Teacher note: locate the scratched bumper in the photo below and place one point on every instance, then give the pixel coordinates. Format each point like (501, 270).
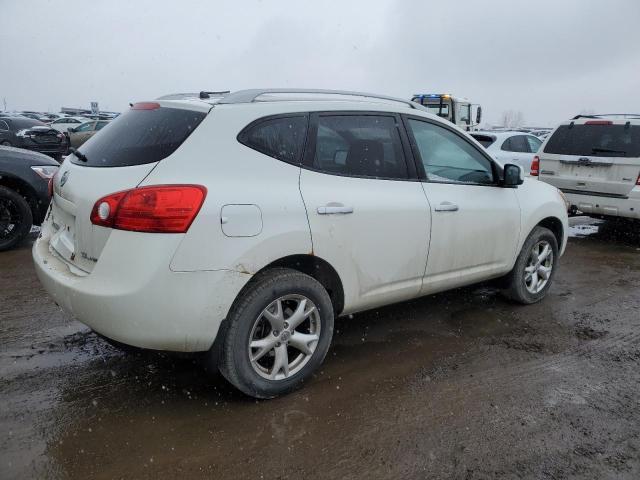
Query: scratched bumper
(134, 298)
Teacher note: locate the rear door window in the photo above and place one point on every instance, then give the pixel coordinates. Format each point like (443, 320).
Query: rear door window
(140, 136)
(595, 140)
(360, 146)
(281, 137)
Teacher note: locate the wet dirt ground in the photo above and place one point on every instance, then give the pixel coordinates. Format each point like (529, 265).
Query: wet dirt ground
(458, 385)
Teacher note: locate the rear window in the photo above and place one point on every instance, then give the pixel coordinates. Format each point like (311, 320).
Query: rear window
(140, 136)
(484, 140)
(595, 140)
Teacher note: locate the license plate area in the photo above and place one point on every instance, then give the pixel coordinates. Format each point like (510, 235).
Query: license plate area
(63, 239)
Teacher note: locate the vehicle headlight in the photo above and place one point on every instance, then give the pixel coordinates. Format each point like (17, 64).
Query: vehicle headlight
(564, 198)
(45, 171)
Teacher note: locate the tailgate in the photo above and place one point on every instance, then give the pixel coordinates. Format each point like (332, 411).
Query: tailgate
(594, 157)
(117, 158)
(613, 177)
(76, 189)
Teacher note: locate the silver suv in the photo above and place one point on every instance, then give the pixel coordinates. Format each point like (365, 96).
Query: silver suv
(595, 161)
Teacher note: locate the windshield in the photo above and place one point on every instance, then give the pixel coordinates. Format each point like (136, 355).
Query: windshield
(595, 140)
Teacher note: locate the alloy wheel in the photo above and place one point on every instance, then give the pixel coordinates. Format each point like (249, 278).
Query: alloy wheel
(538, 269)
(284, 337)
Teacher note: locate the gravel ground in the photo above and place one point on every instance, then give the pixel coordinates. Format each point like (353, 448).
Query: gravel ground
(457, 385)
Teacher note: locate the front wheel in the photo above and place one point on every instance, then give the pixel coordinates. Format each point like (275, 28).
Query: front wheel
(535, 267)
(279, 333)
(15, 218)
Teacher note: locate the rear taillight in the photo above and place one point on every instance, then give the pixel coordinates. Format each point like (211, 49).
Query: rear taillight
(154, 209)
(638, 180)
(535, 167)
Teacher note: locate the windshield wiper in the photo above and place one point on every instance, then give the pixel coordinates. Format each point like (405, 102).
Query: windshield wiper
(606, 150)
(79, 154)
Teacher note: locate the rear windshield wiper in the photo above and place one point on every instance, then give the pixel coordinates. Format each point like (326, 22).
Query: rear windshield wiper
(80, 155)
(606, 150)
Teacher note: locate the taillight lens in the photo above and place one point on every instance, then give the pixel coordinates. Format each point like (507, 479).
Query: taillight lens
(535, 167)
(638, 180)
(153, 209)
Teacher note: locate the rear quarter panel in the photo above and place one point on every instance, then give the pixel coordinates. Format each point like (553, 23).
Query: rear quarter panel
(235, 175)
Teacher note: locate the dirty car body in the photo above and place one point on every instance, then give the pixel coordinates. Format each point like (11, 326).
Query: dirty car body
(332, 190)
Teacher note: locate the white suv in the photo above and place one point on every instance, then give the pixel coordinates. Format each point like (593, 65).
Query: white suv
(242, 224)
(595, 161)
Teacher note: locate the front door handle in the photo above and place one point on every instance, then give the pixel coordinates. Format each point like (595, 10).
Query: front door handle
(447, 207)
(334, 209)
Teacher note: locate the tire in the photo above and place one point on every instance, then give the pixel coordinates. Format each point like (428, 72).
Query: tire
(6, 143)
(16, 218)
(254, 318)
(524, 281)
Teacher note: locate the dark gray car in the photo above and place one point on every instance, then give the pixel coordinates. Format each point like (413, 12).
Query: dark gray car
(22, 132)
(24, 192)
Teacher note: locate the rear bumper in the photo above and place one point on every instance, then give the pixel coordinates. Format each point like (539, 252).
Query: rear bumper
(607, 206)
(133, 297)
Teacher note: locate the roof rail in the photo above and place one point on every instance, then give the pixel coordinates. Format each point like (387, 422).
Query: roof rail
(250, 96)
(600, 115)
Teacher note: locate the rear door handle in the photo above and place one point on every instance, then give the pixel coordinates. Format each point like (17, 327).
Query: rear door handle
(334, 209)
(447, 207)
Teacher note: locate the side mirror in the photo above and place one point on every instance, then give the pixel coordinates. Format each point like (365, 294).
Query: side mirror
(512, 176)
(478, 115)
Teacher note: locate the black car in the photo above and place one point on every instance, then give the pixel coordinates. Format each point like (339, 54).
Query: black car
(32, 134)
(24, 192)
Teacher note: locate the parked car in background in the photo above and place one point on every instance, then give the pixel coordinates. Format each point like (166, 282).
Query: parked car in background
(32, 134)
(62, 124)
(36, 116)
(83, 132)
(157, 237)
(24, 193)
(510, 147)
(595, 161)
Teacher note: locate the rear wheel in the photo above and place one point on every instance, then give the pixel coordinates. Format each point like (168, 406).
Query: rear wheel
(15, 218)
(279, 333)
(535, 267)
(6, 143)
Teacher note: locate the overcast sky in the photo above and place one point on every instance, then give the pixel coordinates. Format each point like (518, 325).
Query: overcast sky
(549, 59)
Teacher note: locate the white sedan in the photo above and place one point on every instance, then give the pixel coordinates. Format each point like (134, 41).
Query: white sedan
(510, 147)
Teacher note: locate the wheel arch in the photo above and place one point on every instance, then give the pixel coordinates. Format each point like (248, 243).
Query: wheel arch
(317, 268)
(555, 225)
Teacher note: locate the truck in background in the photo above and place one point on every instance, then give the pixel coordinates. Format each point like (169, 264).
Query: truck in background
(457, 110)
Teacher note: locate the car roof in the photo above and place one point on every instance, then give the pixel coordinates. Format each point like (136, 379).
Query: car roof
(22, 155)
(281, 95)
(615, 119)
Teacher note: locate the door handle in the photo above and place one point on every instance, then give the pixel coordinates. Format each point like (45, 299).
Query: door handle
(334, 209)
(447, 207)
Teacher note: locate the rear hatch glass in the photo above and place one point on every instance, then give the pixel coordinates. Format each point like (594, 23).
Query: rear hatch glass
(596, 140)
(141, 135)
(597, 158)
